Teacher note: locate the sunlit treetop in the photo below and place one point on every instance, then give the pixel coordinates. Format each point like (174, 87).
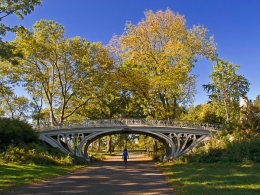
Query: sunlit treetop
(20, 8)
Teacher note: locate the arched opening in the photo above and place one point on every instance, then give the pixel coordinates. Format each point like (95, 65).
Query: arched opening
(146, 142)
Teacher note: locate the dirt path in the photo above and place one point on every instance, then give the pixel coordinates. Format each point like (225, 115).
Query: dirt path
(108, 177)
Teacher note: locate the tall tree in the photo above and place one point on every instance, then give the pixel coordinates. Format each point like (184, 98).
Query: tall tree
(225, 89)
(156, 56)
(110, 100)
(65, 69)
(20, 8)
(14, 106)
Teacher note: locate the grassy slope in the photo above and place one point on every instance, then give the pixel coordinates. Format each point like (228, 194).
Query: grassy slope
(13, 176)
(213, 178)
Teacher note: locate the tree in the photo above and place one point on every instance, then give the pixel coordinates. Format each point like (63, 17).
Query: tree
(135, 108)
(225, 88)
(149, 144)
(118, 141)
(65, 70)
(154, 59)
(15, 106)
(250, 118)
(110, 99)
(202, 113)
(185, 95)
(109, 144)
(37, 105)
(20, 8)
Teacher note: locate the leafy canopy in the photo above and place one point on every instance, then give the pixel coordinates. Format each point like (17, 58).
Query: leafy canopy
(225, 89)
(154, 59)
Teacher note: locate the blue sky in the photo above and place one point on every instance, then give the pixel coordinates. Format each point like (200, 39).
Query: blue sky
(235, 25)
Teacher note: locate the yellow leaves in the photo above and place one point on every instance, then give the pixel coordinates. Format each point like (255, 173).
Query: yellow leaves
(48, 30)
(158, 54)
(162, 35)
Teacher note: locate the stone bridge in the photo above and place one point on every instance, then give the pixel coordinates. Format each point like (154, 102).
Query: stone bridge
(178, 137)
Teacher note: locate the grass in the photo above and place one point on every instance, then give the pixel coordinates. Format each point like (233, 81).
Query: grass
(213, 178)
(102, 155)
(13, 175)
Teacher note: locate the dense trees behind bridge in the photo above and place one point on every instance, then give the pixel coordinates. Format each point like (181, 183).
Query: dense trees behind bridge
(143, 73)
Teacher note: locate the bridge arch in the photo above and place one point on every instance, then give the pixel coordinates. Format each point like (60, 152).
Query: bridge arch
(165, 140)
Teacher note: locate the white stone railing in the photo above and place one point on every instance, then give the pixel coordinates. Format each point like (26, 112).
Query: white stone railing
(135, 122)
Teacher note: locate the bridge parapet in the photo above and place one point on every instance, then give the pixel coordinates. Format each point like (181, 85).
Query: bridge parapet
(137, 122)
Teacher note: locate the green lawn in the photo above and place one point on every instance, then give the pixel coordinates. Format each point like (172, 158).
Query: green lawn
(13, 176)
(213, 178)
(190, 179)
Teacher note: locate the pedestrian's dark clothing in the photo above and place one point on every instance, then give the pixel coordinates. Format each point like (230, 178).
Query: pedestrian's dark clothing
(125, 156)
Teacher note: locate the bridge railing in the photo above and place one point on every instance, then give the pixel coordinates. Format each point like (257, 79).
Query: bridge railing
(136, 122)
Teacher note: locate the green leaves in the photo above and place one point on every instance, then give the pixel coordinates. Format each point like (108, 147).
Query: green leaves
(65, 71)
(18, 7)
(226, 88)
(15, 132)
(250, 120)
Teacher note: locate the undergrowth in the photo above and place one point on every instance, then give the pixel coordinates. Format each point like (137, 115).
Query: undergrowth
(226, 149)
(39, 154)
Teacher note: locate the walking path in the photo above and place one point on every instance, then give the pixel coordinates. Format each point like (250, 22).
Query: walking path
(108, 177)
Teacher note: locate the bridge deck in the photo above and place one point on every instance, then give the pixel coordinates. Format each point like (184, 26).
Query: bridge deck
(134, 123)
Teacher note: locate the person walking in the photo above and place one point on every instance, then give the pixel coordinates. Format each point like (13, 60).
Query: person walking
(125, 156)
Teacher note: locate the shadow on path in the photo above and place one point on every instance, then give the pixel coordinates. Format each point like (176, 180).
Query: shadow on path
(107, 177)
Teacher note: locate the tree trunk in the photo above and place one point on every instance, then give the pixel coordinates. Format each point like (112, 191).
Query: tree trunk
(226, 108)
(155, 146)
(109, 143)
(50, 116)
(92, 146)
(98, 146)
(175, 107)
(126, 140)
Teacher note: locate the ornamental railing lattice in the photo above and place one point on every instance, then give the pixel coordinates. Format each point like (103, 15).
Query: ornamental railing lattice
(135, 122)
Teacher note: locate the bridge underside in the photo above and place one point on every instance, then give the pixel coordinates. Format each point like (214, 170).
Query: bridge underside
(75, 141)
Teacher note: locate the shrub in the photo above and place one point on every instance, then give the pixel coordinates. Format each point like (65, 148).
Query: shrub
(40, 155)
(14, 132)
(225, 150)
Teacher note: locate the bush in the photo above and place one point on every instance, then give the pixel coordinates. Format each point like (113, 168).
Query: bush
(14, 132)
(226, 150)
(39, 155)
(244, 150)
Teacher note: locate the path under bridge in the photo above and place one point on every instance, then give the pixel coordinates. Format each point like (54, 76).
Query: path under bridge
(178, 137)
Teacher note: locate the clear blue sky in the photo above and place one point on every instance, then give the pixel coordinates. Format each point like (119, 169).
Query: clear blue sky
(235, 25)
